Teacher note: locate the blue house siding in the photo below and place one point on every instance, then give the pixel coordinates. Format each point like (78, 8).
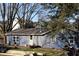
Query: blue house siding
(22, 40)
(44, 41)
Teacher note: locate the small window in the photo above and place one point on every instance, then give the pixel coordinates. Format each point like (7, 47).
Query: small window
(17, 37)
(71, 41)
(70, 37)
(13, 37)
(31, 37)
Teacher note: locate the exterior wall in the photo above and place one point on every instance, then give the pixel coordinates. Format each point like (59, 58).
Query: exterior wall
(44, 41)
(47, 42)
(22, 40)
(57, 42)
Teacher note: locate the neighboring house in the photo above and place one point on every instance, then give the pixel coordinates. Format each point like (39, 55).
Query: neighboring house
(68, 37)
(16, 24)
(33, 36)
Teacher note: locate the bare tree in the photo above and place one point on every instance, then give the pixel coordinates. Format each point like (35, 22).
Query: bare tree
(8, 12)
(3, 11)
(26, 13)
(12, 11)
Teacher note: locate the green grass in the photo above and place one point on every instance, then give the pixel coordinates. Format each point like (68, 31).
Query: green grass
(46, 51)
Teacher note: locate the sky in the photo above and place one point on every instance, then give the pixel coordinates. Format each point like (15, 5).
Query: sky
(35, 19)
(43, 16)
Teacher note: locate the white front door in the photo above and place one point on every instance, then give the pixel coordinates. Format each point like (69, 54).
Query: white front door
(31, 41)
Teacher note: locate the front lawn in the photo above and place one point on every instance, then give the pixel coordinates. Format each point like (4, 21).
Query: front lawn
(46, 51)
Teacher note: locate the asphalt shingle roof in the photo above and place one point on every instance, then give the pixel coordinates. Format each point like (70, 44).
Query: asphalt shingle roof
(30, 31)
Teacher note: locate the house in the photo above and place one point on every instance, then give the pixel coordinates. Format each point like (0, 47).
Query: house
(32, 36)
(69, 37)
(15, 24)
(38, 37)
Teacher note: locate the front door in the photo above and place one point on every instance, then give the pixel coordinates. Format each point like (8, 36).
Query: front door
(31, 41)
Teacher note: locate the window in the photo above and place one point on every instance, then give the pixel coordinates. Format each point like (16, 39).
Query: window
(31, 37)
(70, 37)
(15, 39)
(71, 41)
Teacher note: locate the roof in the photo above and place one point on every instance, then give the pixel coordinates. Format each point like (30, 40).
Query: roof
(27, 32)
